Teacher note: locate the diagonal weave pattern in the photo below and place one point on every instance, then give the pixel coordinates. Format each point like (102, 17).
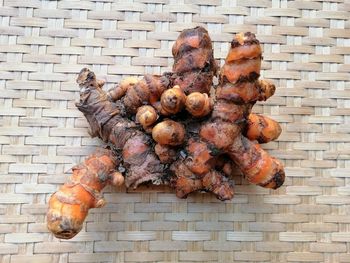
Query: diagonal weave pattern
(44, 44)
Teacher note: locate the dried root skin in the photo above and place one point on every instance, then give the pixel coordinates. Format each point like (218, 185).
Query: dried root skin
(140, 161)
(219, 185)
(107, 120)
(184, 186)
(187, 182)
(165, 153)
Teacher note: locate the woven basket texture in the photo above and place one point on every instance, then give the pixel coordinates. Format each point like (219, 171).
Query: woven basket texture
(44, 44)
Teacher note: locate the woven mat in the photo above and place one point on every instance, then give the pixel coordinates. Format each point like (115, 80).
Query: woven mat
(44, 44)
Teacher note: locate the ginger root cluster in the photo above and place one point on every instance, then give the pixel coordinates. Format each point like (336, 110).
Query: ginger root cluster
(175, 129)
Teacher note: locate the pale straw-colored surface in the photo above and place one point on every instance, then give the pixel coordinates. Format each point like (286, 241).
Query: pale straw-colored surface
(44, 44)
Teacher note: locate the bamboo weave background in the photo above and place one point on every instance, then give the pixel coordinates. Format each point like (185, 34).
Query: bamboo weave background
(44, 44)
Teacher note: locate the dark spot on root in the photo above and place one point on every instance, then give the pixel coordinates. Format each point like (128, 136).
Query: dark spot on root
(90, 76)
(262, 139)
(65, 234)
(250, 40)
(279, 179)
(251, 77)
(214, 151)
